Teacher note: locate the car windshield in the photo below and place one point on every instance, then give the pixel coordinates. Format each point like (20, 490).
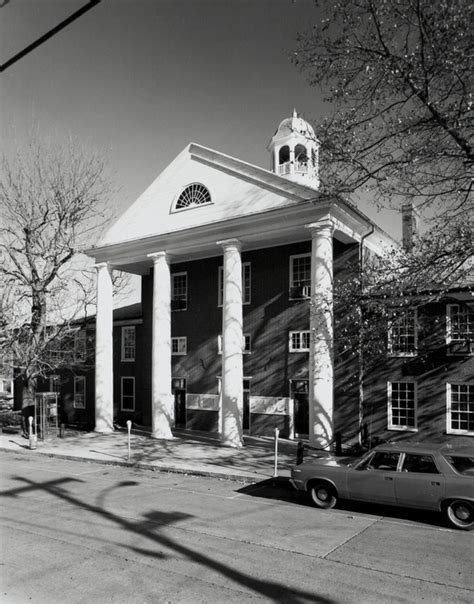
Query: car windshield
(462, 464)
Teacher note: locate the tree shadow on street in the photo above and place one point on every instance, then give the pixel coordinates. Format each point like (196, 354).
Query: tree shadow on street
(151, 527)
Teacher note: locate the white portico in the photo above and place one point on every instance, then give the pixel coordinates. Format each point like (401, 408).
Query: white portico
(207, 205)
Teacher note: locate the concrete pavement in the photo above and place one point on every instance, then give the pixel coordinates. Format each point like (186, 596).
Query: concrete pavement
(187, 452)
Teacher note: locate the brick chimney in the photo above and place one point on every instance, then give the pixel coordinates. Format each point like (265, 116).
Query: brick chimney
(410, 221)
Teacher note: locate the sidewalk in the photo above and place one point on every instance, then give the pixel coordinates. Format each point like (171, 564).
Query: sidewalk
(190, 453)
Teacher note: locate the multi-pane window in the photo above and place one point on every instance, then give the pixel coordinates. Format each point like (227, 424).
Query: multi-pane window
(54, 383)
(299, 341)
(460, 328)
(460, 417)
(79, 392)
(127, 393)
(402, 406)
(179, 345)
(179, 291)
(128, 343)
(402, 334)
(246, 284)
(247, 344)
(300, 276)
(80, 346)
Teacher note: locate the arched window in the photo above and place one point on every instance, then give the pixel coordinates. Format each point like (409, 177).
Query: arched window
(193, 195)
(284, 155)
(301, 155)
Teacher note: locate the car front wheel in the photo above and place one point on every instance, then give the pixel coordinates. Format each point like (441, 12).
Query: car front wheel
(460, 514)
(322, 495)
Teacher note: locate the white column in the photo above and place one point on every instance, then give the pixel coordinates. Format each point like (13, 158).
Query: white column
(321, 363)
(104, 381)
(292, 159)
(232, 345)
(162, 407)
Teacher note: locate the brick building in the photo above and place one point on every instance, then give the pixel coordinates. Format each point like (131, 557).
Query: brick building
(236, 329)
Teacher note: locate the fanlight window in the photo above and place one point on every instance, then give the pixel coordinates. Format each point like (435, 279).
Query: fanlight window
(193, 195)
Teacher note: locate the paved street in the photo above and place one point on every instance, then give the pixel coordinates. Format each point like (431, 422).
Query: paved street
(83, 532)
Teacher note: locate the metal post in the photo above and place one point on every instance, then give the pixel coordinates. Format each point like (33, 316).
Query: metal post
(129, 427)
(275, 473)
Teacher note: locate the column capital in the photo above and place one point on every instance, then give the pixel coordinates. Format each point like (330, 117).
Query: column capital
(101, 265)
(230, 243)
(155, 256)
(326, 223)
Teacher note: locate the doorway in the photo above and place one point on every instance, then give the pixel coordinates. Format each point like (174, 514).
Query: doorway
(178, 388)
(299, 394)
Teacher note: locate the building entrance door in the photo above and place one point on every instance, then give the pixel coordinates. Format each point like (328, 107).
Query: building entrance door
(246, 413)
(178, 386)
(299, 394)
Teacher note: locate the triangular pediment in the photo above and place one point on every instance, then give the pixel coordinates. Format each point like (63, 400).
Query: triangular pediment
(237, 189)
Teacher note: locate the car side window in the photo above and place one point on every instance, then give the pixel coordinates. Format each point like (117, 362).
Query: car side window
(419, 463)
(382, 460)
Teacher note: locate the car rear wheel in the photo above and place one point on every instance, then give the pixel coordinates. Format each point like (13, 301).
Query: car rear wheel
(460, 514)
(322, 495)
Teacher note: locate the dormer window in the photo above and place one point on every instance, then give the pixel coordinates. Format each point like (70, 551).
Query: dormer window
(192, 196)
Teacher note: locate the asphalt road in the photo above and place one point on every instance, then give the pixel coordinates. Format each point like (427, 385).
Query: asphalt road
(81, 532)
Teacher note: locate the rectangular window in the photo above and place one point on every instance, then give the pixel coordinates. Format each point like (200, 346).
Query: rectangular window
(460, 416)
(127, 393)
(247, 344)
(80, 346)
(246, 284)
(179, 346)
(128, 343)
(460, 328)
(299, 341)
(79, 392)
(300, 276)
(179, 291)
(402, 406)
(402, 334)
(54, 383)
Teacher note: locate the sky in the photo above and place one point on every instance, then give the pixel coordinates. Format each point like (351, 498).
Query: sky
(138, 80)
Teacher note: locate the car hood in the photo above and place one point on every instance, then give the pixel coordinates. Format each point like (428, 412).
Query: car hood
(326, 462)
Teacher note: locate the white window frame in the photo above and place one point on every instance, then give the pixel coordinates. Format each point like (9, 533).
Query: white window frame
(80, 346)
(126, 356)
(80, 379)
(174, 276)
(307, 287)
(246, 284)
(55, 382)
(449, 329)
(246, 345)
(449, 405)
(407, 320)
(301, 334)
(181, 346)
(390, 424)
(122, 396)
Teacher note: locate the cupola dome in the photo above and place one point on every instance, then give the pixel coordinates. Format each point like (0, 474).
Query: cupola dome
(295, 151)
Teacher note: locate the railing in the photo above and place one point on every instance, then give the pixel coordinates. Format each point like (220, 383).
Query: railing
(284, 168)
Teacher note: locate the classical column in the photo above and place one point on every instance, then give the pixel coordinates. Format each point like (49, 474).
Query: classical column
(104, 382)
(321, 363)
(162, 408)
(232, 344)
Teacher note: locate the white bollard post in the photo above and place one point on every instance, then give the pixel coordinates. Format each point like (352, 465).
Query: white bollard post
(30, 433)
(129, 427)
(275, 473)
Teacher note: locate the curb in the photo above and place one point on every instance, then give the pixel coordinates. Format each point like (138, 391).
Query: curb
(234, 476)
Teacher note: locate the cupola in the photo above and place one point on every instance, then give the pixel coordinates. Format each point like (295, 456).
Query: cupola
(295, 151)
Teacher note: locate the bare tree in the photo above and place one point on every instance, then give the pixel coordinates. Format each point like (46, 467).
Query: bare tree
(398, 78)
(52, 203)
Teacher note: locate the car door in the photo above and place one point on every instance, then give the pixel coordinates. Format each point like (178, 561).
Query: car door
(373, 480)
(420, 483)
